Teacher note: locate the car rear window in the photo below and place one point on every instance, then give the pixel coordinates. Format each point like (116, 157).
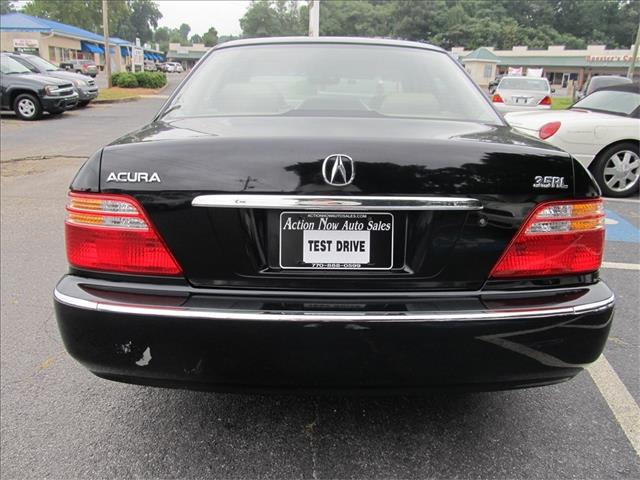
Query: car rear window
(534, 84)
(332, 80)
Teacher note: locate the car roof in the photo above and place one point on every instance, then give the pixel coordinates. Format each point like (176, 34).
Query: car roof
(328, 40)
(525, 76)
(609, 77)
(625, 87)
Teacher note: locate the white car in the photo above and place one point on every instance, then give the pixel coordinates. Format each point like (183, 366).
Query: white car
(517, 94)
(174, 67)
(602, 131)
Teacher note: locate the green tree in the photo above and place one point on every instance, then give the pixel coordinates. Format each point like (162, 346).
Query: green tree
(227, 38)
(161, 34)
(210, 38)
(269, 18)
(127, 18)
(143, 18)
(184, 31)
(449, 23)
(195, 38)
(355, 18)
(7, 6)
(85, 14)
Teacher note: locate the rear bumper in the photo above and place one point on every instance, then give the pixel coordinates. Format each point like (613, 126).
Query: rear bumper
(184, 337)
(507, 108)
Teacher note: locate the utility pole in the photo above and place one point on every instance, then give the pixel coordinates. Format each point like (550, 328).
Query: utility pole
(314, 18)
(107, 51)
(632, 66)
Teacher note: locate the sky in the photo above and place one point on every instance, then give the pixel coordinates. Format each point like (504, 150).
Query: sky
(200, 15)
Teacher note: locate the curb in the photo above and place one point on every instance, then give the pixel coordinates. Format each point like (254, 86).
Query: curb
(117, 100)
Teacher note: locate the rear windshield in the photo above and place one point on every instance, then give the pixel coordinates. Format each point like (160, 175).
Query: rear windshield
(534, 84)
(331, 80)
(601, 82)
(610, 101)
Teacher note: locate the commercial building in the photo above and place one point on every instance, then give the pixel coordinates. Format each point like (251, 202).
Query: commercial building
(58, 42)
(558, 64)
(187, 56)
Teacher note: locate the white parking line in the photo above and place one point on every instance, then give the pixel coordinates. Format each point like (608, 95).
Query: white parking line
(621, 265)
(622, 200)
(620, 401)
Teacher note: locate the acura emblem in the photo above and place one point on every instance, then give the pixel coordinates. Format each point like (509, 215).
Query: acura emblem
(338, 170)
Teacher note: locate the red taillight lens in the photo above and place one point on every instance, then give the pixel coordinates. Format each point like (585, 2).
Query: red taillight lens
(548, 130)
(497, 98)
(112, 233)
(558, 238)
(545, 101)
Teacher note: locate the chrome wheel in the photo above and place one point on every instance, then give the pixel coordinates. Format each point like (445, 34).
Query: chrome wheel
(622, 170)
(27, 108)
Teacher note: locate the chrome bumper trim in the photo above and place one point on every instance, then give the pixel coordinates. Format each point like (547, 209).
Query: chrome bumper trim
(301, 316)
(318, 202)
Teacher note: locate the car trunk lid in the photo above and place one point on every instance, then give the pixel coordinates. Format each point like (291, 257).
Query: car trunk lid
(168, 166)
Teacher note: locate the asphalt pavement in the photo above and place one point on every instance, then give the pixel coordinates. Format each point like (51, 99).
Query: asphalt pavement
(80, 132)
(59, 421)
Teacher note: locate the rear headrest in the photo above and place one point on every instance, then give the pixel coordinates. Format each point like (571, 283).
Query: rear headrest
(249, 98)
(410, 104)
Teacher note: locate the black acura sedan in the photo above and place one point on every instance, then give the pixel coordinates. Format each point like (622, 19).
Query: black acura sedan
(332, 214)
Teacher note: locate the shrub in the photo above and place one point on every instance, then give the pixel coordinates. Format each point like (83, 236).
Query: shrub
(126, 80)
(151, 79)
(114, 78)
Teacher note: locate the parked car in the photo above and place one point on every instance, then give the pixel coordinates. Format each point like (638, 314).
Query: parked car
(600, 81)
(166, 67)
(150, 66)
(29, 94)
(333, 213)
(493, 84)
(85, 67)
(522, 93)
(173, 67)
(602, 131)
(85, 87)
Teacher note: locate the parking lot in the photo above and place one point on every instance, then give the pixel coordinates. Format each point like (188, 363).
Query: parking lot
(59, 421)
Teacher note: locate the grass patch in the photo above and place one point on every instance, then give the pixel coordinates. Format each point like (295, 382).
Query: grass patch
(117, 93)
(561, 103)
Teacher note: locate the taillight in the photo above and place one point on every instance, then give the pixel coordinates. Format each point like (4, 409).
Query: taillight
(112, 233)
(497, 98)
(545, 101)
(548, 130)
(558, 238)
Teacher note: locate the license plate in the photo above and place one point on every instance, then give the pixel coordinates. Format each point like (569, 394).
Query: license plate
(521, 99)
(336, 241)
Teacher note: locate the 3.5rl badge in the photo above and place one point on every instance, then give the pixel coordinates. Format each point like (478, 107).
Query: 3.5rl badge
(549, 182)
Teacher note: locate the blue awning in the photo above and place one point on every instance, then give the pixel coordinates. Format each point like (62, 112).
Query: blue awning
(90, 47)
(146, 56)
(156, 56)
(124, 51)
